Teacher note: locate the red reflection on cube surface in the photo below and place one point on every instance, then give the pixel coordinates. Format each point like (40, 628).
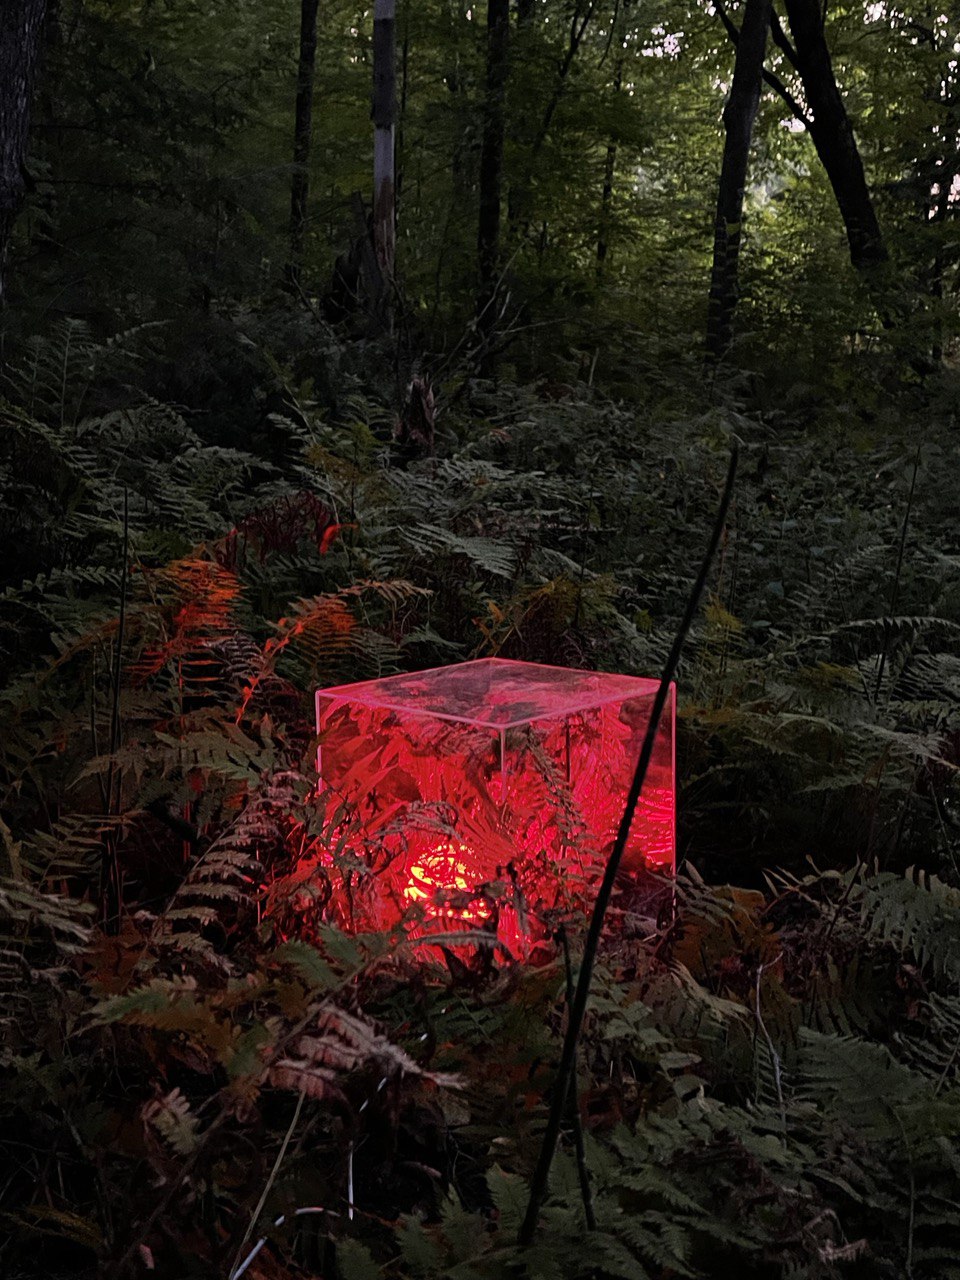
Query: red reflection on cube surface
(489, 793)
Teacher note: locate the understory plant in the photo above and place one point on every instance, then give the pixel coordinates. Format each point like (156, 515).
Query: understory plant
(203, 1075)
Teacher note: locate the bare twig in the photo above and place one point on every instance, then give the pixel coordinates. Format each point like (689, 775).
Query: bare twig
(254, 1217)
(583, 1172)
(895, 593)
(948, 1068)
(774, 1056)
(278, 1222)
(110, 896)
(541, 1174)
(911, 1219)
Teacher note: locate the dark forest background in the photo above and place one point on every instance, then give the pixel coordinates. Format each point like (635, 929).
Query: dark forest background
(272, 419)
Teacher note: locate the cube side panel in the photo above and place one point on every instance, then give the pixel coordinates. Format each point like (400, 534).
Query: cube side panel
(425, 798)
(458, 826)
(594, 755)
(651, 845)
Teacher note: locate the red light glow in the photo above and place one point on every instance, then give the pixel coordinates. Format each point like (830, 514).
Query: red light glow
(488, 794)
(440, 875)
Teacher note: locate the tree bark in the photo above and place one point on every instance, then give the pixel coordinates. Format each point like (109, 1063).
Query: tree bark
(578, 27)
(518, 213)
(399, 150)
(303, 119)
(21, 33)
(491, 174)
(738, 117)
(935, 173)
(832, 133)
(384, 124)
(609, 171)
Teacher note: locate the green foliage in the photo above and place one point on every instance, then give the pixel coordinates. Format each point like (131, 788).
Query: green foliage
(769, 1081)
(613, 143)
(208, 510)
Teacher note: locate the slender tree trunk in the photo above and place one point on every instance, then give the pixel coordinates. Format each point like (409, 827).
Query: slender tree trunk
(829, 129)
(491, 173)
(384, 124)
(303, 118)
(832, 133)
(525, 11)
(935, 173)
(21, 33)
(606, 196)
(518, 213)
(938, 217)
(738, 117)
(578, 27)
(400, 149)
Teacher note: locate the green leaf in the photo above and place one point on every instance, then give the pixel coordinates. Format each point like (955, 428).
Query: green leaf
(419, 1248)
(510, 1194)
(355, 1261)
(308, 963)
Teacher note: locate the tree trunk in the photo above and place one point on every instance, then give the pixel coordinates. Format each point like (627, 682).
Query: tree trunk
(606, 197)
(738, 117)
(519, 196)
(832, 134)
(384, 123)
(525, 11)
(400, 151)
(491, 174)
(300, 181)
(578, 27)
(830, 131)
(21, 32)
(938, 175)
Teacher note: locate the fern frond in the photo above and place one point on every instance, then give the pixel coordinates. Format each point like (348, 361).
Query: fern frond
(917, 913)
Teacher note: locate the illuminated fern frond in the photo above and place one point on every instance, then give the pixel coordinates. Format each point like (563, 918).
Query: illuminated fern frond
(27, 912)
(224, 883)
(42, 927)
(195, 600)
(338, 1044)
(324, 631)
(174, 1121)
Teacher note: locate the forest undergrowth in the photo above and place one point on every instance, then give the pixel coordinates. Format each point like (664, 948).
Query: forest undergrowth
(204, 1077)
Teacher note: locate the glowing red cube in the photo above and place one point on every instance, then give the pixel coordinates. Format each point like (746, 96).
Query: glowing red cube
(488, 794)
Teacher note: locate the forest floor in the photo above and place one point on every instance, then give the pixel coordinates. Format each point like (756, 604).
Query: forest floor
(206, 1074)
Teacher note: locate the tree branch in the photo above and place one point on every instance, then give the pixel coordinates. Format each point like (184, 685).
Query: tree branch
(576, 37)
(782, 41)
(774, 81)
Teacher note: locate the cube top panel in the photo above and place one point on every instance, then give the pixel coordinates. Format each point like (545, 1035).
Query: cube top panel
(494, 692)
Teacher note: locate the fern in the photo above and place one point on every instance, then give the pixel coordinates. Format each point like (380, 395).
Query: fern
(920, 915)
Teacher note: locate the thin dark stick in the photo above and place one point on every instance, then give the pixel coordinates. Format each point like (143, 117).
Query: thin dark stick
(583, 1172)
(110, 871)
(541, 1174)
(895, 594)
(118, 652)
(94, 737)
(772, 80)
